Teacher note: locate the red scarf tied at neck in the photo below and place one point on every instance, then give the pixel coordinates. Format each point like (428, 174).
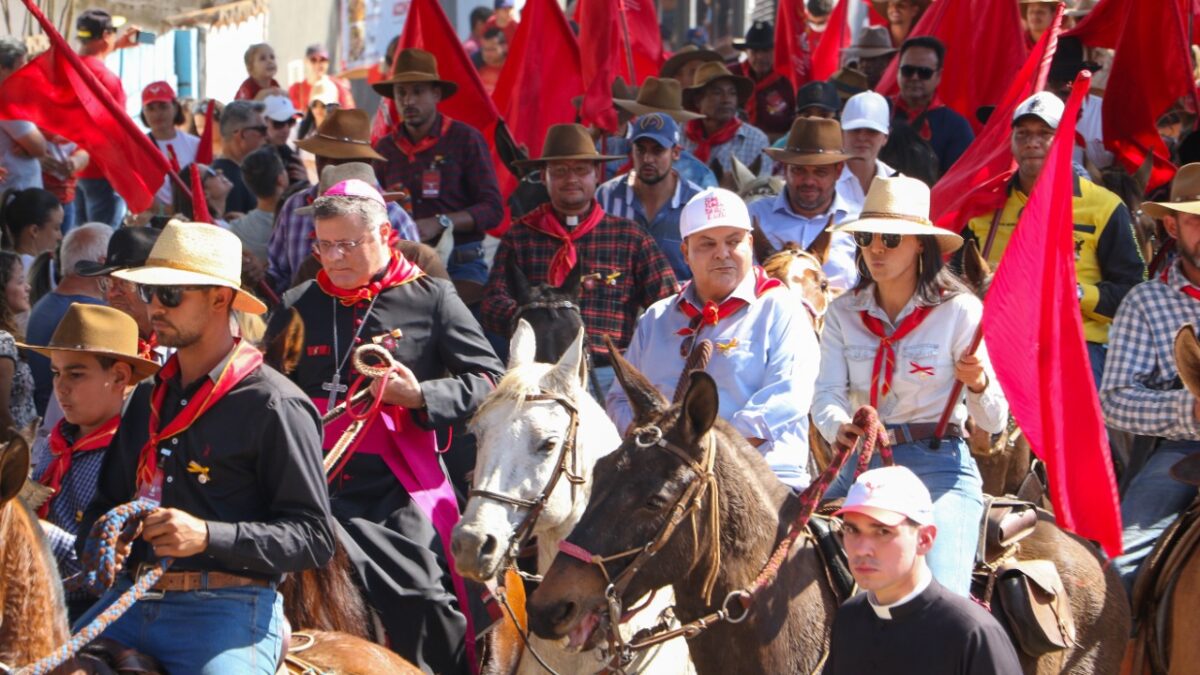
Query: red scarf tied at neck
(64, 453)
(410, 149)
(694, 130)
(399, 271)
(885, 355)
(759, 86)
(917, 119)
(545, 221)
(712, 313)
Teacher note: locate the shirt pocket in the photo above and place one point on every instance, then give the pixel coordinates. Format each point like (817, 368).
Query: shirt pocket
(922, 363)
(860, 360)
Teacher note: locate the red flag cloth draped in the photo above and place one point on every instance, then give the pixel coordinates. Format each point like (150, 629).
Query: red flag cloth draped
(825, 57)
(601, 53)
(792, 59)
(978, 180)
(59, 94)
(645, 39)
(204, 155)
(970, 29)
(1150, 71)
(1034, 334)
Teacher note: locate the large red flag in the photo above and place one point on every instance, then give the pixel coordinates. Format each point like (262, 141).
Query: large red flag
(601, 51)
(978, 181)
(1034, 334)
(826, 55)
(792, 60)
(985, 45)
(645, 39)
(58, 93)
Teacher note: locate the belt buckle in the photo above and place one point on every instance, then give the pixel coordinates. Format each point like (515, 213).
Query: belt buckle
(150, 593)
(891, 438)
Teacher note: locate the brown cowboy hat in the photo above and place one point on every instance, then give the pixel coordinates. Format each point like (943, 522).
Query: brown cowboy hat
(711, 72)
(334, 174)
(874, 41)
(881, 6)
(412, 66)
(620, 90)
(98, 330)
(659, 96)
(848, 82)
(567, 141)
(812, 141)
(1185, 194)
(685, 55)
(345, 134)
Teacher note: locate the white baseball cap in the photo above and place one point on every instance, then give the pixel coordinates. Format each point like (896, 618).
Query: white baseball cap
(279, 108)
(867, 110)
(713, 207)
(891, 495)
(1042, 105)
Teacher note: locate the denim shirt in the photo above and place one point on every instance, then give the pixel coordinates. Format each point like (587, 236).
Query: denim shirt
(617, 198)
(781, 224)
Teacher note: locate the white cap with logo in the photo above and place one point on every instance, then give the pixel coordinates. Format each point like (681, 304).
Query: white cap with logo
(866, 110)
(279, 108)
(891, 495)
(1043, 105)
(713, 207)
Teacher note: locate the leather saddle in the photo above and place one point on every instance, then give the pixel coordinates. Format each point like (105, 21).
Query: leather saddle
(1155, 581)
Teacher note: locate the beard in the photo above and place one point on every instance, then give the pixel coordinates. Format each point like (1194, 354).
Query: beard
(652, 180)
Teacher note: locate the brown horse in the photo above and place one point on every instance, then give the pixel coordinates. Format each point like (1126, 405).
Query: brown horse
(637, 487)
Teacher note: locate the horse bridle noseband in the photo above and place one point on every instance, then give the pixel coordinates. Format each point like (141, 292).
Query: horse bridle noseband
(567, 454)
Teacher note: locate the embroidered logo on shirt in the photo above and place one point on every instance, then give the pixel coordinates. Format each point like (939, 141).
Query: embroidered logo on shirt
(924, 372)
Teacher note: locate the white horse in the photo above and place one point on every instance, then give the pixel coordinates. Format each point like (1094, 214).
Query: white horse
(540, 426)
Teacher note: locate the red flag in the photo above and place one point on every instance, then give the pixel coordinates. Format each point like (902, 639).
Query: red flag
(792, 60)
(836, 37)
(978, 181)
(1034, 334)
(970, 28)
(58, 93)
(204, 154)
(601, 51)
(645, 40)
(200, 212)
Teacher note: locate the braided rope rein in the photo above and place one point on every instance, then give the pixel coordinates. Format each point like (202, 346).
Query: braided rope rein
(697, 360)
(100, 563)
(341, 452)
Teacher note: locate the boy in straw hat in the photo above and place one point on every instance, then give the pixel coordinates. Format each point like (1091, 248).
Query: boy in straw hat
(718, 95)
(231, 453)
(1141, 391)
(94, 359)
(898, 342)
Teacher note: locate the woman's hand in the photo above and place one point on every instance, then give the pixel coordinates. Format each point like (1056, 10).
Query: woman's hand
(848, 434)
(969, 371)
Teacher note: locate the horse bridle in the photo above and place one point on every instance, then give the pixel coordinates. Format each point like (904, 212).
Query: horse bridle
(567, 455)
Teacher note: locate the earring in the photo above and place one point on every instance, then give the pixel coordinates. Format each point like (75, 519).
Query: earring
(920, 266)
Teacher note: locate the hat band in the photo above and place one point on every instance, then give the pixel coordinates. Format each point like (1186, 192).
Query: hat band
(343, 139)
(897, 216)
(97, 351)
(815, 151)
(171, 264)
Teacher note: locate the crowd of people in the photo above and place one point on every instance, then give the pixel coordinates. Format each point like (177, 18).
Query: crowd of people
(134, 339)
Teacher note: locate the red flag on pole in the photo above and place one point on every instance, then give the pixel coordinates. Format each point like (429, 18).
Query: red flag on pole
(60, 94)
(792, 60)
(204, 154)
(645, 40)
(978, 181)
(826, 56)
(1034, 334)
(601, 52)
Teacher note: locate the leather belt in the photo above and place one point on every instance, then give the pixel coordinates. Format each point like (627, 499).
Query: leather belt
(182, 581)
(910, 433)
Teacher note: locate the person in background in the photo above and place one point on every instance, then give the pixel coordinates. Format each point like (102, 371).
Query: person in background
(162, 113)
(281, 117)
(918, 104)
(243, 131)
(665, 96)
(199, 119)
(871, 53)
(97, 34)
(478, 18)
(493, 53)
(865, 129)
(60, 168)
(1037, 16)
(316, 75)
(386, 115)
(32, 221)
(772, 104)
(21, 144)
(718, 95)
(266, 178)
(503, 19)
(217, 189)
(901, 15)
(683, 64)
(16, 381)
(261, 69)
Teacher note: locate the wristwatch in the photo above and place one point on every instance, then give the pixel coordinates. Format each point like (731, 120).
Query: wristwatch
(444, 221)
(1079, 291)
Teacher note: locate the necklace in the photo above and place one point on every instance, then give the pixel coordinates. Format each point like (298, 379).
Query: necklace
(334, 386)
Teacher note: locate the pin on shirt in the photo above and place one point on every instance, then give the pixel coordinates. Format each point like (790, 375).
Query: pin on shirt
(727, 346)
(202, 472)
(591, 281)
(388, 340)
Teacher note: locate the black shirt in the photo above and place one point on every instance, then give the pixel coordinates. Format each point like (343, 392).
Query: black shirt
(240, 199)
(935, 633)
(264, 498)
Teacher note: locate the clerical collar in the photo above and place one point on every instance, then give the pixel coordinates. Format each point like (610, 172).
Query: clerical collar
(885, 611)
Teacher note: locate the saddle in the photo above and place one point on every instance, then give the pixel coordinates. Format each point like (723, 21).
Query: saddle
(1156, 580)
(106, 656)
(823, 530)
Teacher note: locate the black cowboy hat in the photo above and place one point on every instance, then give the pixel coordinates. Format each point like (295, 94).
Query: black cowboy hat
(1068, 61)
(760, 36)
(128, 247)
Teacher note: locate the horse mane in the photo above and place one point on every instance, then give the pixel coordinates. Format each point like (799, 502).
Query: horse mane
(516, 384)
(31, 624)
(326, 599)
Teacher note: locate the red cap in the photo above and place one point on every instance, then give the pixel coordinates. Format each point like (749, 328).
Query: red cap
(158, 91)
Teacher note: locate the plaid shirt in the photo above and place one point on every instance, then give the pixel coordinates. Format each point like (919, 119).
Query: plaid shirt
(66, 511)
(292, 239)
(467, 178)
(1141, 392)
(747, 145)
(616, 246)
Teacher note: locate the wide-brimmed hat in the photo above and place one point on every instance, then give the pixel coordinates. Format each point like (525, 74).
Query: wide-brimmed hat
(711, 72)
(1068, 61)
(873, 41)
(849, 81)
(760, 36)
(881, 6)
(686, 54)
(337, 173)
(659, 95)
(818, 94)
(345, 134)
(567, 142)
(812, 141)
(900, 205)
(128, 247)
(413, 66)
(196, 254)
(1185, 194)
(99, 330)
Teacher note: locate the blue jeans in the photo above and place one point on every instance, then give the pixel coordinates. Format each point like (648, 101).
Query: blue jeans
(1097, 355)
(953, 481)
(1152, 501)
(219, 632)
(468, 264)
(603, 378)
(101, 204)
(68, 217)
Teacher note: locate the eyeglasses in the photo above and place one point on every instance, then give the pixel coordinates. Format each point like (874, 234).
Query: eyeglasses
(345, 246)
(262, 128)
(169, 296)
(286, 123)
(920, 72)
(864, 239)
(578, 170)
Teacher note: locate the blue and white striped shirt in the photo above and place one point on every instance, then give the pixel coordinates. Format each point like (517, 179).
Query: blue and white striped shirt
(617, 198)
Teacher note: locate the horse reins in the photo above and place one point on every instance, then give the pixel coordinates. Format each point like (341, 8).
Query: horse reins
(341, 452)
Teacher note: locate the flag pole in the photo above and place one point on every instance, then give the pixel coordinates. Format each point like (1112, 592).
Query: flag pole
(633, 81)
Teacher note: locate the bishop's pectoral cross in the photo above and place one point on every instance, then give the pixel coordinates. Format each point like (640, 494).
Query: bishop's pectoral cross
(334, 386)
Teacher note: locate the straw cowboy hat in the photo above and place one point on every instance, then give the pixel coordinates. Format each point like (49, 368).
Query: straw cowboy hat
(686, 55)
(659, 96)
(566, 142)
(413, 66)
(900, 205)
(99, 330)
(196, 254)
(812, 141)
(1185, 195)
(874, 41)
(345, 134)
(711, 72)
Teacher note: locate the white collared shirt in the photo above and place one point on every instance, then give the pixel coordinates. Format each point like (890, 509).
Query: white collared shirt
(885, 611)
(924, 369)
(781, 225)
(852, 191)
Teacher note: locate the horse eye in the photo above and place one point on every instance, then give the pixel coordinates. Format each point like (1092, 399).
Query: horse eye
(548, 445)
(656, 502)
(824, 285)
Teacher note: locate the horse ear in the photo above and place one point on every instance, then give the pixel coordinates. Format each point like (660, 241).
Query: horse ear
(14, 467)
(644, 399)
(975, 268)
(819, 248)
(762, 246)
(700, 404)
(518, 283)
(573, 283)
(523, 345)
(742, 176)
(572, 364)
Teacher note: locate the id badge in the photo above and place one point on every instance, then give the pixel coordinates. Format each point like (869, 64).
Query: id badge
(431, 183)
(152, 491)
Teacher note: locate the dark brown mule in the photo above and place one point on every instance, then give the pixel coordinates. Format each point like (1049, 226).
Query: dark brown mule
(636, 488)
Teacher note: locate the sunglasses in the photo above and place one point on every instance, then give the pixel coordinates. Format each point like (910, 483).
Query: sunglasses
(169, 296)
(920, 72)
(864, 239)
(262, 128)
(286, 123)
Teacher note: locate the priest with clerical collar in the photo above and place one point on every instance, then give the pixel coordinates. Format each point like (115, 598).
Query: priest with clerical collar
(390, 493)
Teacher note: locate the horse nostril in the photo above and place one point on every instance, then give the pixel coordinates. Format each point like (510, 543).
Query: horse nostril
(565, 611)
(488, 547)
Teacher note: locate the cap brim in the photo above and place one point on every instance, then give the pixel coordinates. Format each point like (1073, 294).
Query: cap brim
(884, 516)
(785, 156)
(142, 368)
(640, 109)
(948, 241)
(169, 276)
(864, 124)
(1161, 209)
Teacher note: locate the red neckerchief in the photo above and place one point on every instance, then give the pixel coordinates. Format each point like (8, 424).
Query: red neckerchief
(64, 452)
(704, 144)
(410, 149)
(885, 355)
(244, 360)
(399, 271)
(1187, 289)
(545, 221)
(759, 85)
(712, 313)
(901, 111)
(146, 347)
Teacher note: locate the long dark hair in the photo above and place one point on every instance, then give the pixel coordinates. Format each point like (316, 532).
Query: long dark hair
(8, 318)
(22, 209)
(936, 282)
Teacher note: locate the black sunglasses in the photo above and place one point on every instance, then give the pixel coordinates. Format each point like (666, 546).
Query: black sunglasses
(864, 239)
(285, 123)
(262, 128)
(922, 72)
(169, 296)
